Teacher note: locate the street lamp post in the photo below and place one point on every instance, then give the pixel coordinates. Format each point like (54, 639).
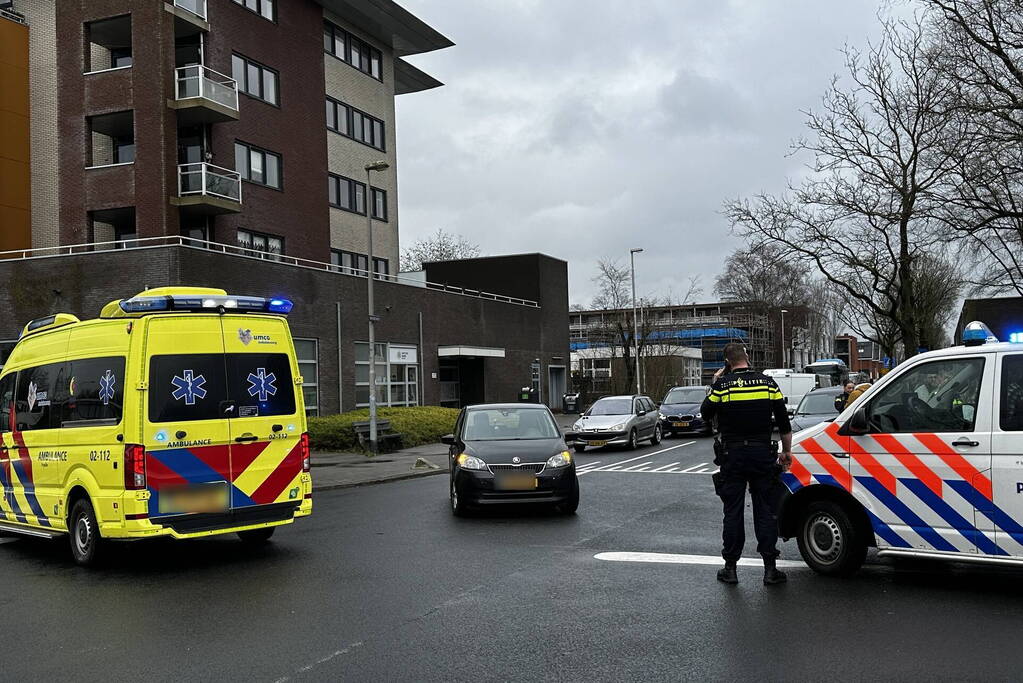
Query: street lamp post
(370, 272)
(635, 319)
(783, 354)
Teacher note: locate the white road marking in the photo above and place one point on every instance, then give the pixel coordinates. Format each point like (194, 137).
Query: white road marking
(666, 467)
(694, 467)
(616, 466)
(8, 540)
(670, 558)
(636, 467)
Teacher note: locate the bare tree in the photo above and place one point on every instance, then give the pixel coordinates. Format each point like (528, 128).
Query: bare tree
(865, 214)
(441, 246)
(764, 272)
(979, 50)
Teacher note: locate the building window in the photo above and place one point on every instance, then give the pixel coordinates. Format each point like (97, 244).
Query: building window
(397, 374)
(355, 124)
(111, 139)
(379, 204)
(257, 241)
(254, 79)
(108, 44)
(352, 51)
(264, 8)
(306, 353)
(352, 263)
(257, 165)
(381, 266)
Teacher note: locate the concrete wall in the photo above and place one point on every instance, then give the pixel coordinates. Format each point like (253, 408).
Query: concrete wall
(82, 284)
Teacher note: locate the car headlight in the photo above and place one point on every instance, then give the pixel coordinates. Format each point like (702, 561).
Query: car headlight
(618, 427)
(469, 462)
(661, 417)
(562, 459)
(577, 427)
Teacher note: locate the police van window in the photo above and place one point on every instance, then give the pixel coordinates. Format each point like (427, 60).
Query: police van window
(93, 394)
(6, 396)
(1011, 412)
(33, 403)
(941, 396)
(186, 387)
(261, 384)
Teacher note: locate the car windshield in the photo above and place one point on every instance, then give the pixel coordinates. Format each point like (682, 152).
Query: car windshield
(612, 406)
(694, 395)
(492, 424)
(817, 404)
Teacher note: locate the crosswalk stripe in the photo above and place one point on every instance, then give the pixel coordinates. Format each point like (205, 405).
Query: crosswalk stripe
(666, 467)
(695, 467)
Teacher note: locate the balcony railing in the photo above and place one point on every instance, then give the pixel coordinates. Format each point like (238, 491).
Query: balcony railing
(201, 81)
(196, 7)
(210, 180)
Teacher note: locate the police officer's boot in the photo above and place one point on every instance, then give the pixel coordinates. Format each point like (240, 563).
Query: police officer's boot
(771, 573)
(727, 573)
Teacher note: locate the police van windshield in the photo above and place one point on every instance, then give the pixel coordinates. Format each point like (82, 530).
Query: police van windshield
(695, 395)
(208, 386)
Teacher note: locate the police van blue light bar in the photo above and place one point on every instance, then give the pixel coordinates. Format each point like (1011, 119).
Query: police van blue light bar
(242, 304)
(1016, 337)
(977, 333)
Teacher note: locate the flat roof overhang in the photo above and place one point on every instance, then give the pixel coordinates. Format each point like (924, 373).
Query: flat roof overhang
(408, 78)
(467, 351)
(391, 24)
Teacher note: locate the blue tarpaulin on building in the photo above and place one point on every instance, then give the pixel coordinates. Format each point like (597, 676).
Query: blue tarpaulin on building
(693, 334)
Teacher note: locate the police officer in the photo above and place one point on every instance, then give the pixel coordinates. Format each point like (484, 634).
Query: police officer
(743, 402)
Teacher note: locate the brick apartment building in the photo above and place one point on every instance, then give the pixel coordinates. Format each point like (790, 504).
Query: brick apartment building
(226, 143)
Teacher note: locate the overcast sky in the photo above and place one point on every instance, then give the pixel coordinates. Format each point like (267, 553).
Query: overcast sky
(581, 128)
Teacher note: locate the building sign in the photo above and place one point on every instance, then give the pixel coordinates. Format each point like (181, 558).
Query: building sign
(402, 355)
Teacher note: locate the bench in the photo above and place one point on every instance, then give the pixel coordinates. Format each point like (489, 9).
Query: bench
(387, 441)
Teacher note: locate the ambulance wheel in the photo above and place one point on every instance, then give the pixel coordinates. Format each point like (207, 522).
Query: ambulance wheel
(257, 536)
(83, 530)
(829, 541)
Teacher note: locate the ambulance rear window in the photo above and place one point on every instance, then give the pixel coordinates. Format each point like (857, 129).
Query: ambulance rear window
(210, 386)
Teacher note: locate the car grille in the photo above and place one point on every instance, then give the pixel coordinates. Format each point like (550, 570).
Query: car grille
(534, 467)
(682, 418)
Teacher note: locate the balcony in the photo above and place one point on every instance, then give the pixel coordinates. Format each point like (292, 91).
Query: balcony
(202, 95)
(189, 16)
(208, 189)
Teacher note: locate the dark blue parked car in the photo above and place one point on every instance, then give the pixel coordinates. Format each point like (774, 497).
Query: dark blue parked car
(680, 411)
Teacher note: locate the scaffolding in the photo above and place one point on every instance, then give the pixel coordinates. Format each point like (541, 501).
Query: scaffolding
(707, 327)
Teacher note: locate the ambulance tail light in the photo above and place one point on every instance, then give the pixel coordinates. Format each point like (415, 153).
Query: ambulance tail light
(134, 467)
(303, 446)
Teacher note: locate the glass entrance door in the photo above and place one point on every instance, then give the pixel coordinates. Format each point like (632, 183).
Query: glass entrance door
(412, 384)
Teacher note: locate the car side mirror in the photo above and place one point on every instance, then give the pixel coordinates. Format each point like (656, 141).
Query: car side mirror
(640, 413)
(857, 424)
(792, 411)
(448, 439)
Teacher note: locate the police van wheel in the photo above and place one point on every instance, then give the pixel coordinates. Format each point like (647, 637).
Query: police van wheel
(656, 438)
(83, 530)
(257, 536)
(829, 541)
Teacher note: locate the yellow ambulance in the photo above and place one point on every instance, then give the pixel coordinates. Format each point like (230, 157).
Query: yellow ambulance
(178, 412)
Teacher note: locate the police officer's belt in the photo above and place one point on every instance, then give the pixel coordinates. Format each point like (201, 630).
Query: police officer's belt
(748, 441)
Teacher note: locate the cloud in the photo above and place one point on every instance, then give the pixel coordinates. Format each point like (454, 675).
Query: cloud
(584, 128)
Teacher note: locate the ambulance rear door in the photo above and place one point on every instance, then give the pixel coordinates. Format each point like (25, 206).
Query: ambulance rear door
(268, 414)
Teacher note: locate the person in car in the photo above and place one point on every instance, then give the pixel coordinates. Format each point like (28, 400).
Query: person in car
(842, 400)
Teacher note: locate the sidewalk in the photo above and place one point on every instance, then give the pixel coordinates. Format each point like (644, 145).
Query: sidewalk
(344, 470)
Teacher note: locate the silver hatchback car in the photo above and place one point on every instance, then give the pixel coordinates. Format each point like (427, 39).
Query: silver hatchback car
(618, 421)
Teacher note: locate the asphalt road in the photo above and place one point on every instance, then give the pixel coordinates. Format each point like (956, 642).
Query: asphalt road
(383, 584)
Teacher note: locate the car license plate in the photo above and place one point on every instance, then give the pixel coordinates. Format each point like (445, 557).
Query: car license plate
(597, 443)
(516, 481)
(194, 499)
(679, 424)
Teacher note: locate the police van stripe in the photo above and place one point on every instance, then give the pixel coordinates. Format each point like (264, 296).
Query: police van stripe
(886, 532)
(872, 466)
(957, 462)
(903, 512)
(954, 519)
(910, 461)
(1001, 519)
(828, 462)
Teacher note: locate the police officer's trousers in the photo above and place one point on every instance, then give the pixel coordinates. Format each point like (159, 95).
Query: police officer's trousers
(753, 465)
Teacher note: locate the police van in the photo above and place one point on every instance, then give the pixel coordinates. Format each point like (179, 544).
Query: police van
(926, 463)
(178, 412)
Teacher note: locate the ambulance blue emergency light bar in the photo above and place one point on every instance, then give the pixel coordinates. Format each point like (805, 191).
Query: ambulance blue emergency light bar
(977, 333)
(240, 304)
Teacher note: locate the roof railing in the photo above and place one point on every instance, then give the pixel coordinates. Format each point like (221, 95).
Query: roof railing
(244, 252)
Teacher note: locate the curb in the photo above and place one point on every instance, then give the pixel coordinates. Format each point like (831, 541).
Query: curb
(382, 480)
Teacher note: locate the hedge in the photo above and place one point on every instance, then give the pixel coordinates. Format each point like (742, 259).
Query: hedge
(418, 425)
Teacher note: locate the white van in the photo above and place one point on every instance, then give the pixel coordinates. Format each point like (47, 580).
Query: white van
(794, 385)
(926, 463)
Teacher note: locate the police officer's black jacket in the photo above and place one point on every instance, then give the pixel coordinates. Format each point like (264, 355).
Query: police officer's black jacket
(743, 402)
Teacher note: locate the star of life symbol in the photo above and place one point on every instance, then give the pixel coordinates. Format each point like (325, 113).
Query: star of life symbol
(188, 387)
(31, 396)
(261, 384)
(106, 387)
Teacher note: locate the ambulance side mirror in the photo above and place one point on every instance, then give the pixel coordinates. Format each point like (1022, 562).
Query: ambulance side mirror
(857, 424)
